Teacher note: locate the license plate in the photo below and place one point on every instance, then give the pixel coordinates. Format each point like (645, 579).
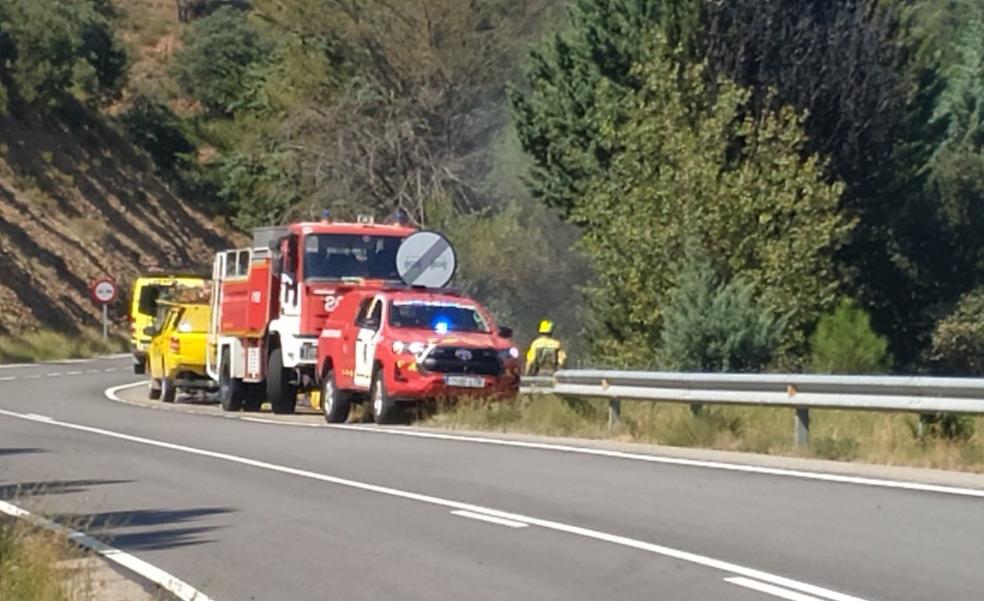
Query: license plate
(464, 381)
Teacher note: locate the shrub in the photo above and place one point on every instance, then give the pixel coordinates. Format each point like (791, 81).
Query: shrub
(154, 127)
(217, 65)
(845, 343)
(714, 326)
(957, 346)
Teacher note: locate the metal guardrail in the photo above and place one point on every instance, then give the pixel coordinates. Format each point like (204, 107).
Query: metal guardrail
(913, 394)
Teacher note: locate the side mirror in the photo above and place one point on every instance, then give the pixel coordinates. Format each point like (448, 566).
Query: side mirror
(150, 331)
(505, 332)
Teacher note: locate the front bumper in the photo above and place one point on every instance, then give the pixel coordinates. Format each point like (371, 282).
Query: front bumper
(406, 382)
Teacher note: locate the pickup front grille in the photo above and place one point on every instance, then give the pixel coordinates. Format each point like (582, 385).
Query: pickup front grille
(461, 360)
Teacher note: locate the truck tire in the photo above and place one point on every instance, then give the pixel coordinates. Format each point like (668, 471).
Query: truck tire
(384, 409)
(280, 393)
(335, 404)
(168, 391)
(232, 392)
(153, 389)
(255, 395)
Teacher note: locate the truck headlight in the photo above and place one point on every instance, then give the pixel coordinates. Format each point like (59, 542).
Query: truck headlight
(509, 353)
(309, 352)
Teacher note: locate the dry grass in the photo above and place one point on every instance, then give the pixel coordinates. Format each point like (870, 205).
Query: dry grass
(46, 345)
(33, 566)
(883, 438)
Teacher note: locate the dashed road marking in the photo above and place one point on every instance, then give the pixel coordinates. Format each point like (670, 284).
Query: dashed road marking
(8, 378)
(73, 373)
(490, 519)
(587, 533)
(770, 589)
(54, 374)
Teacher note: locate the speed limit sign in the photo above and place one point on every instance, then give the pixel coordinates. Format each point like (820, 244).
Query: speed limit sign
(103, 291)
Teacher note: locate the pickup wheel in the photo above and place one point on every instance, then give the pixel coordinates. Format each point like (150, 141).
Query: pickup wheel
(231, 390)
(281, 394)
(168, 391)
(153, 389)
(384, 409)
(335, 404)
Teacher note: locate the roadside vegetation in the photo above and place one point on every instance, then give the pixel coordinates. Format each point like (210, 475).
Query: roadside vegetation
(953, 443)
(33, 565)
(48, 345)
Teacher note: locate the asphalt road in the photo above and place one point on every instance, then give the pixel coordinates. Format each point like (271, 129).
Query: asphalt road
(245, 510)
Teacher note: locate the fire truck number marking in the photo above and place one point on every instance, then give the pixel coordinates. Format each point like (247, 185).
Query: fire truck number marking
(331, 303)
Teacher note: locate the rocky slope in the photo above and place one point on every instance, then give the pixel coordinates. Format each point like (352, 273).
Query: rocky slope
(77, 201)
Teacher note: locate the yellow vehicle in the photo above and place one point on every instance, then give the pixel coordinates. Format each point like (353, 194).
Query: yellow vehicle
(176, 353)
(146, 291)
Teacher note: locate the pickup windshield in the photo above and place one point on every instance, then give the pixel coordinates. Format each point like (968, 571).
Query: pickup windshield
(336, 256)
(437, 316)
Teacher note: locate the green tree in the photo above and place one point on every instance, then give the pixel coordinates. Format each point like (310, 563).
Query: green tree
(556, 112)
(217, 65)
(690, 168)
(844, 343)
(51, 49)
(958, 338)
(712, 326)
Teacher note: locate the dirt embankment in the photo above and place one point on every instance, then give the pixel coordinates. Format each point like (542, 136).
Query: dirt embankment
(77, 201)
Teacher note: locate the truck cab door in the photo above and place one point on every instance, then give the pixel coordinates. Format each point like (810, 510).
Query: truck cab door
(369, 324)
(289, 274)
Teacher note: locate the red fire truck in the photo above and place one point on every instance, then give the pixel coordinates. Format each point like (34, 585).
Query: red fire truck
(397, 345)
(270, 302)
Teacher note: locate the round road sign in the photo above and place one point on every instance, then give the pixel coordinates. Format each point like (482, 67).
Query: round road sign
(426, 259)
(103, 291)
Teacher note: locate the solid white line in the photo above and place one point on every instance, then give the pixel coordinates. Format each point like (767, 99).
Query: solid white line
(451, 504)
(112, 394)
(180, 589)
(39, 417)
(770, 589)
(488, 518)
(717, 465)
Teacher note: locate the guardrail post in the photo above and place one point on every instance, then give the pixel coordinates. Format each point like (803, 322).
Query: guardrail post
(614, 412)
(802, 427)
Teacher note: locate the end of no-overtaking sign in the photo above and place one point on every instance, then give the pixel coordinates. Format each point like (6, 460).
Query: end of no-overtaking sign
(103, 290)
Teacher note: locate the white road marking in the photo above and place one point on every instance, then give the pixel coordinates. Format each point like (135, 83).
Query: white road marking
(109, 369)
(112, 394)
(39, 417)
(34, 377)
(92, 371)
(73, 373)
(16, 365)
(588, 533)
(8, 378)
(488, 518)
(770, 589)
(53, 374)
(180, 589)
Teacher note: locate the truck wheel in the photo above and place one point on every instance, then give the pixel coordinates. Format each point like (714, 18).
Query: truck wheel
(335, 404)
(280, 393)
(153, 389)
(384, 409)
(168, 390)
(255, 395)
(231, 392)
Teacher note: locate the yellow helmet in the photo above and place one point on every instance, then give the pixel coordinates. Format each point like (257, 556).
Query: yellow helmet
(546, 327)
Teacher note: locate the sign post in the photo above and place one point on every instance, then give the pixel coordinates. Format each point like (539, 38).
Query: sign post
(104, 292)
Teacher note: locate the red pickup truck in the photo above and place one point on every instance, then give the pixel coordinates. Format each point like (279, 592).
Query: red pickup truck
(392, 346)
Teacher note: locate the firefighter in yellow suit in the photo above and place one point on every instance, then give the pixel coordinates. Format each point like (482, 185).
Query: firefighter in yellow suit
(546, 354)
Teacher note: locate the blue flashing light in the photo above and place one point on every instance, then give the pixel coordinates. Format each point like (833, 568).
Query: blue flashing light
(441, 326)
(325, 215)
(401, 217)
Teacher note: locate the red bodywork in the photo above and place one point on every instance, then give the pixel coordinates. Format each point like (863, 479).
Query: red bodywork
(409, 375)
(260, 286)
